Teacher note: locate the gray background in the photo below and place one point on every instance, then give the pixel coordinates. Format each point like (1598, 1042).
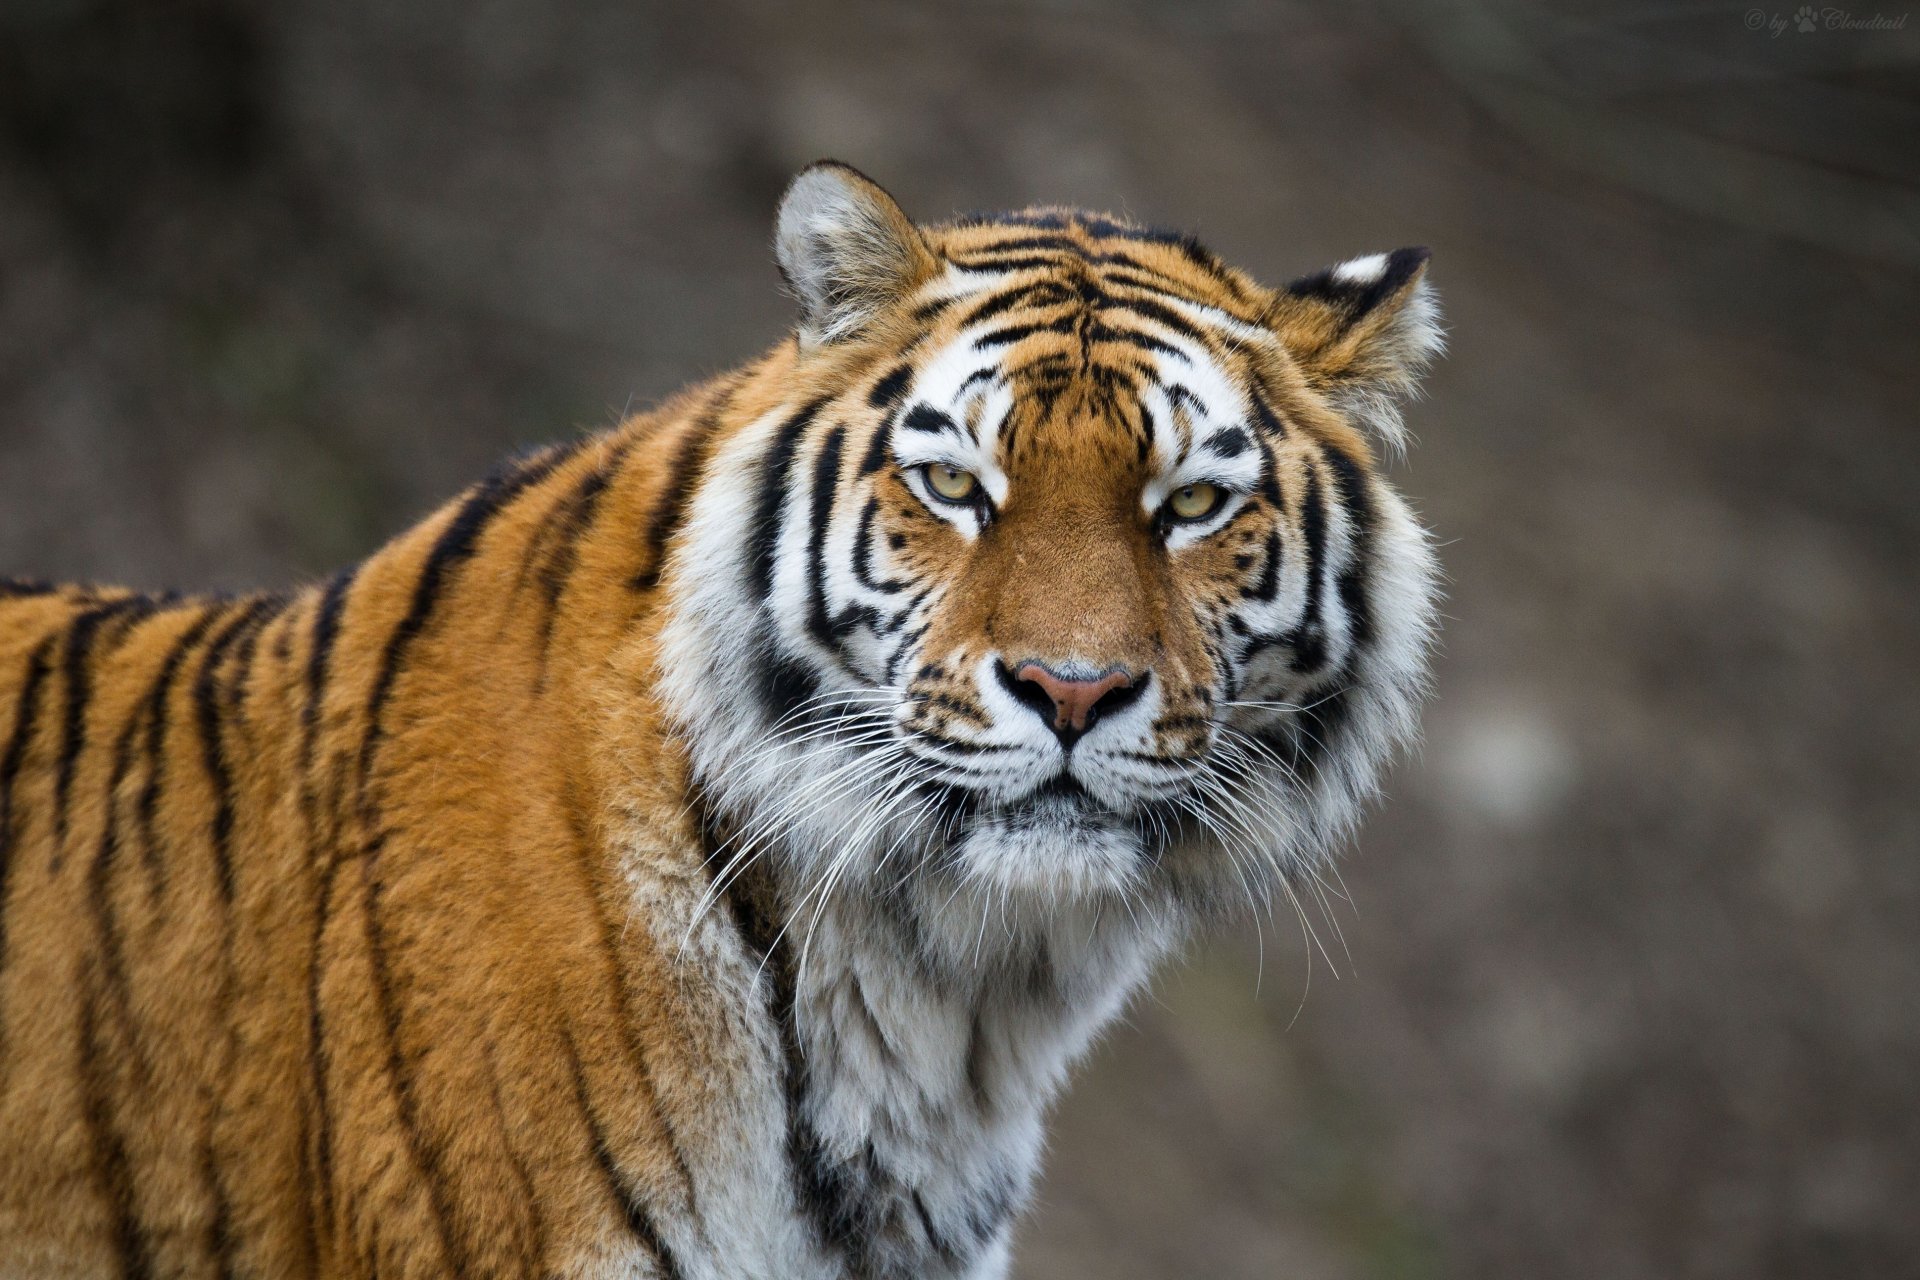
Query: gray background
(1629, 972)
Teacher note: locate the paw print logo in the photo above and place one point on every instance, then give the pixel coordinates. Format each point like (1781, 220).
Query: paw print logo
(1804, 18)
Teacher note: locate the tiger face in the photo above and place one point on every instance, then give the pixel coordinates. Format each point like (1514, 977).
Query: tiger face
(1065, 572)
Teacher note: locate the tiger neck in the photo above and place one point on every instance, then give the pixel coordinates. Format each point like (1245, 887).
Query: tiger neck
(923, 1049)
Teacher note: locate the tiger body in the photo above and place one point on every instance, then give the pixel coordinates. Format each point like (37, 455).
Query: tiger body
(673, 858)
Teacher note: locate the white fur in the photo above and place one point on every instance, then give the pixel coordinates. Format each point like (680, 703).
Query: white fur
(1361, 271)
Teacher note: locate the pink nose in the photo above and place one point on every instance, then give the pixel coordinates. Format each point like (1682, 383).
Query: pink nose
(1073, 700)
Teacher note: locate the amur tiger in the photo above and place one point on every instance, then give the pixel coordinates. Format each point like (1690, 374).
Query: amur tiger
(701, 850)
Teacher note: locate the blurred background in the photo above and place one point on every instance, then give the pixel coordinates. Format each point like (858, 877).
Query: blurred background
(1630, 980)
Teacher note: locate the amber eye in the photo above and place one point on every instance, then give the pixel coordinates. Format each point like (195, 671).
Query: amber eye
(950, 483)
(1195, 501)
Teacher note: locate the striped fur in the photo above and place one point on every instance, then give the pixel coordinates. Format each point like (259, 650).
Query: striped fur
(653, 863)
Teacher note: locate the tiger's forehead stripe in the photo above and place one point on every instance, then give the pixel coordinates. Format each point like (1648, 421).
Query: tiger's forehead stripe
(1056, 311)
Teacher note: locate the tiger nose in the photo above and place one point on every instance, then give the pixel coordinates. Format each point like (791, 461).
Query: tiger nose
(1075, 704)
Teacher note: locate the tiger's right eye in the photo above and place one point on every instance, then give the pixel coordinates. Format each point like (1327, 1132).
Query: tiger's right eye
(950, 484)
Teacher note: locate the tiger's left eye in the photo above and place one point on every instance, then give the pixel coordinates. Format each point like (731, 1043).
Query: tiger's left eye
(1195, 501)
(951, 483)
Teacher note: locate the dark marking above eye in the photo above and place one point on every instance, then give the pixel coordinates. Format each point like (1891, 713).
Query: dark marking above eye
(926, 418)
(1014, 333)
(1229, 442)
(889, 389)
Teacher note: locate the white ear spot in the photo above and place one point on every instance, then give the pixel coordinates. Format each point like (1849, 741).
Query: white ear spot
(1364, 331)
(1361, 270)
(846, 250)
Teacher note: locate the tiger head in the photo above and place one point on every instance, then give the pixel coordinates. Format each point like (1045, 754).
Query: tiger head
(1050, 557)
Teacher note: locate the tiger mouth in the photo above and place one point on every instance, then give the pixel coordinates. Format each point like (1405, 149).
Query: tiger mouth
(1062, 796)
(1063, 787)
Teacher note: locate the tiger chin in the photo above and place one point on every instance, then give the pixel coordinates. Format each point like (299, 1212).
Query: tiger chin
(702, 850)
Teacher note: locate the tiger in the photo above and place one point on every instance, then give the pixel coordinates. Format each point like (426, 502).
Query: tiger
(704, 848)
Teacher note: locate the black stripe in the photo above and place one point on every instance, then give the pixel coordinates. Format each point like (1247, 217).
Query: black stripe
(1054, 220)
(1269, 421)
(1310, 637)
(863, 570)
(1160, 314)
(786, 685)
(826, 480)
(326, 633)
(207, 691)
(25, 721)
(626, 1197)
(988, 374)
(835, 1195)
(1270, 490)
(931, 310)
(879, 448)
(206, 702)
(1131, 275)
(455, 545)
(1351, 584)
(326, 630)
(113, 1174)
(1229, 442)
(1038, 294)
(1031, 263)
(1010, 262)
(106, 859)
(616, 974)
(1353, 299)
(1098, 332)
(763, 531)
(574, 521)
(1269, 580)
(1015, 332)
(1118, 258)
(1060, 244)
(425, 1153)
(79, 686)
(823, 1185)
(155, 750)
(683, 481)
(887, 392)
(928, 420)
(319, 1148)
(240, 680)
(1303, 744)
(1188, 247)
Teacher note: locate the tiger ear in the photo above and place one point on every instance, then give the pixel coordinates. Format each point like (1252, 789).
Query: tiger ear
(1363, 332)
(846, 250)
